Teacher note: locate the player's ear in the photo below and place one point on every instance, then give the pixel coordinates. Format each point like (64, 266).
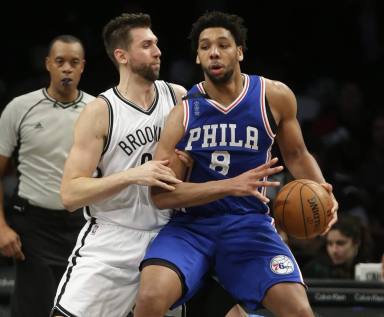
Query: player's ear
(120, 56)
(240, 54)
(47, 63)
(197, 59)
(82, 65)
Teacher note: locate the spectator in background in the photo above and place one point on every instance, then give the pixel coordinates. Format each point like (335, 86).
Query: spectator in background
(347, 243)
(372, 187)
(38, 128)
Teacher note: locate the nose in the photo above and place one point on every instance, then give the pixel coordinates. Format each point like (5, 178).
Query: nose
(214, 52)
(67, 67)
(333, 249)
(157, 52)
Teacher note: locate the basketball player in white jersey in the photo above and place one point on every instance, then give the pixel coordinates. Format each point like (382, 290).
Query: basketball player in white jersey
(115, 138)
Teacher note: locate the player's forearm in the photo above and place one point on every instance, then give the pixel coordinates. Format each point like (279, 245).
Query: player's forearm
(304, 165)
(82, 191)
(191, 194)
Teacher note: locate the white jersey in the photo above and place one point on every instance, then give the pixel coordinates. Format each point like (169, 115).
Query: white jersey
(132, 137)
(39, 130)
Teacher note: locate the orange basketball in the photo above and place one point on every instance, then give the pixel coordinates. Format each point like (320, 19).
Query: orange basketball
(302, 209)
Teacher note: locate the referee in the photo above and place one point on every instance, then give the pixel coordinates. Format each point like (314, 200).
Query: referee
(37, 130)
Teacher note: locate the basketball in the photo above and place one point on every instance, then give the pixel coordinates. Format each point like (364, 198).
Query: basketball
(302, 209)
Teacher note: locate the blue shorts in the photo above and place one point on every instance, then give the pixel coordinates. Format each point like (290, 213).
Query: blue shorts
(245, 253)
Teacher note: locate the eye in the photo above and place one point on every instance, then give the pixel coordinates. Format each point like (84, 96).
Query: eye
(224, 44)
(75, 62)
(147, 44)
(59, 61)
(341, 243)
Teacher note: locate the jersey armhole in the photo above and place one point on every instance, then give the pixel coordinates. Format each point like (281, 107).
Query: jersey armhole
(172, 91)
(269, 122)
(271, 119)
(110, 125)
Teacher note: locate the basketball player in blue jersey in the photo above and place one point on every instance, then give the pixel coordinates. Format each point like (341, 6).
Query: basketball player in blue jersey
(228, 124)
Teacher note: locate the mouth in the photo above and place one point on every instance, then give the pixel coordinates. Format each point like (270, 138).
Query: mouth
(216, 68)
(66, 81)
(337, 259)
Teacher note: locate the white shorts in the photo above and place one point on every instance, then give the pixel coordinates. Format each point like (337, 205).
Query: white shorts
(102, 276)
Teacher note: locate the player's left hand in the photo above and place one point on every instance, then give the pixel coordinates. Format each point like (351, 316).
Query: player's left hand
(185, 158)
(332, 213)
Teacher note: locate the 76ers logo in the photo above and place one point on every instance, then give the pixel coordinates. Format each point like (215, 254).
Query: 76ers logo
(281, 264)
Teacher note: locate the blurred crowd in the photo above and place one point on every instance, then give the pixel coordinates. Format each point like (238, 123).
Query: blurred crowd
(346, 135)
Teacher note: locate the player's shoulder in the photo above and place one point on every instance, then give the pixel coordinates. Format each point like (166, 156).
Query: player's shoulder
(179, 90)
(278, 92)
(277, 87)
(96, 107)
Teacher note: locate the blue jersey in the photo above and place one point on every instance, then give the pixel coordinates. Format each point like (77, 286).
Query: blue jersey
(227, 141)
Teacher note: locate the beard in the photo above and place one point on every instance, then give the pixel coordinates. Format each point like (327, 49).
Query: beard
(146, 71)
(224, 78)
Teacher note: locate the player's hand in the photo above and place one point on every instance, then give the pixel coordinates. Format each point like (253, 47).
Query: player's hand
(10, 244)
(154, 173)
(332, 212)
(249, 182)
(184, 157)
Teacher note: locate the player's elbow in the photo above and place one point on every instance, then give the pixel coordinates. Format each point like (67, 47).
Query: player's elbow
(295, 154)
(67, 200)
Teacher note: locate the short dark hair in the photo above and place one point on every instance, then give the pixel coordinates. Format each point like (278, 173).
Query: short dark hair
(66, 38)
(231, 22)
(117, 32)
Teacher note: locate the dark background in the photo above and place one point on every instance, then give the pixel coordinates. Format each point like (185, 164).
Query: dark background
(330, 53)
(293, 41)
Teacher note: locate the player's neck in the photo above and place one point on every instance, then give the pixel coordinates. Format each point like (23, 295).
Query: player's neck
(225, 93)
(137, 90)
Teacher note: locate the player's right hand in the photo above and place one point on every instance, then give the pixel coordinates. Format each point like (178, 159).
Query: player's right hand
(155, 173)
(10, 244)
(248, 183)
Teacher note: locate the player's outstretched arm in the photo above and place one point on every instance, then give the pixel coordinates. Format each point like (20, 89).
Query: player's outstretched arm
(297, 158)
(79, 188)
(191, 194)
